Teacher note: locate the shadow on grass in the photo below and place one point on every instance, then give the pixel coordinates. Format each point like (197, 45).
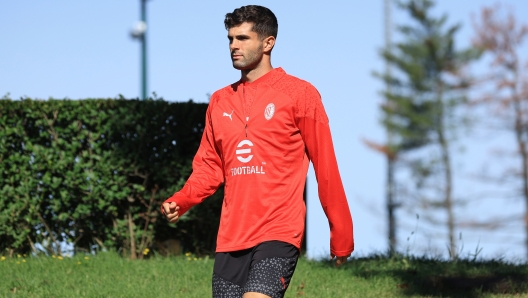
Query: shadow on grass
(439, 278)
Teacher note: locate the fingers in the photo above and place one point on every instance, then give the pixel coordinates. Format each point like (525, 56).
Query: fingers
(166, 208)
(173, 219)
(171, 211)
(339, 260)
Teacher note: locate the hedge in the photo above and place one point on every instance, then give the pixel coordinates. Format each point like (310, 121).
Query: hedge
(94, 172)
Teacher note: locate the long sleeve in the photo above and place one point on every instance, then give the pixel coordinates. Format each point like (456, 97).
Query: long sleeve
(315, 130)
(207, 175)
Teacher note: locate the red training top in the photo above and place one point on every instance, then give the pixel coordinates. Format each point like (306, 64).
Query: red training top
(258, 140)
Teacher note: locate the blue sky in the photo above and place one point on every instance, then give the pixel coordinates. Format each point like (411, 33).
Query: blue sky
(82, 49)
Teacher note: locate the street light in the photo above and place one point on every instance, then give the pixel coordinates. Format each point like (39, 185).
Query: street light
(139, 31)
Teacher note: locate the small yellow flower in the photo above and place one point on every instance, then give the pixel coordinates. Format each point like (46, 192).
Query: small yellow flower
(18, 256)
(23, 261)
(146, 251)
(24, 255)
(18, 262)
(59, 257)
(195, 259)
(2, 258)
(188, 254)
(68, 255)
(188, 259)
(86, 258)
(78, 263)
(53, 256)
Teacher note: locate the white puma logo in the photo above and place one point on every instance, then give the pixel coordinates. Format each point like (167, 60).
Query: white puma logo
(228, 115)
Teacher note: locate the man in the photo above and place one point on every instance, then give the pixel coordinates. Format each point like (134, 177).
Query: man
(260, 134)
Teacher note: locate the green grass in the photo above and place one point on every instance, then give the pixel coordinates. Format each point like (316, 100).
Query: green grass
(108, 275)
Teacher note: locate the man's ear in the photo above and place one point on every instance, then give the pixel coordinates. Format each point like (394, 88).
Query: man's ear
(269, 43)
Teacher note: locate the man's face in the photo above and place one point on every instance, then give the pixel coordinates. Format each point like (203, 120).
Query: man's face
(245, 47)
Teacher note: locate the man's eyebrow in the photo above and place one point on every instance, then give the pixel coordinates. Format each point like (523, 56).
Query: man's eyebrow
(238, 36)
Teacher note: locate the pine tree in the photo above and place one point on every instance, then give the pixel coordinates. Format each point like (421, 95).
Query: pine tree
(420, 110)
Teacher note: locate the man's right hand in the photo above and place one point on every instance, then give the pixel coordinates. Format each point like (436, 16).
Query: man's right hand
(171, 211)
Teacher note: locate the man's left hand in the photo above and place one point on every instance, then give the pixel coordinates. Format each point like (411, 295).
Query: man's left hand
(339, 260)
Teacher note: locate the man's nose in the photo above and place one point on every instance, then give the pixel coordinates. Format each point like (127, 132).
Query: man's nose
(233, 45)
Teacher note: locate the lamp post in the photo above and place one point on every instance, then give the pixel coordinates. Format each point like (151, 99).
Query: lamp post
(140, 32)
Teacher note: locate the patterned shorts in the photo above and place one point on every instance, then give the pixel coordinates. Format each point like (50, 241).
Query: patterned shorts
(266, 268)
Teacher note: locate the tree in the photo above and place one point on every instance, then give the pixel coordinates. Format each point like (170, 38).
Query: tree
(506, 85)
(420, 111)
(389, 188)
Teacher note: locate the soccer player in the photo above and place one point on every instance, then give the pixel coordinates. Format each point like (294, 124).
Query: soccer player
(260, 134)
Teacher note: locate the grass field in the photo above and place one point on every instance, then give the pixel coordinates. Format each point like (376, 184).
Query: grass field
(109, 275)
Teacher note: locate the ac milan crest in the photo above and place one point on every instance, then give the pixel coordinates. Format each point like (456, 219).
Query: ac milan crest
(269, 111)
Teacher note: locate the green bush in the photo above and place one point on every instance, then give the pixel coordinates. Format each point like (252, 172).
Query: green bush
(94, 172)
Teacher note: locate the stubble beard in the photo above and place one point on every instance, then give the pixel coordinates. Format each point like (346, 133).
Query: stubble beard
(250, 60)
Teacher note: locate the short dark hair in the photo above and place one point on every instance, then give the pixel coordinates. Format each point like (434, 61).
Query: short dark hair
(264, 21)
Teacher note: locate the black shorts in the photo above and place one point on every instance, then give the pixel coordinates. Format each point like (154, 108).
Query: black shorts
(266, 268)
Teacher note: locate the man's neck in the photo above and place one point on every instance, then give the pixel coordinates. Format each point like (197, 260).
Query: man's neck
(254, 74)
